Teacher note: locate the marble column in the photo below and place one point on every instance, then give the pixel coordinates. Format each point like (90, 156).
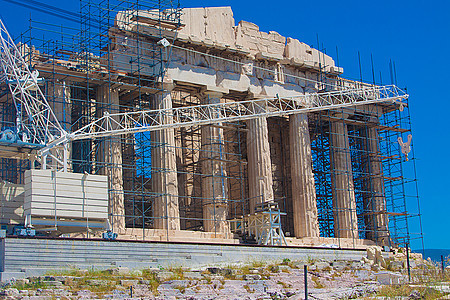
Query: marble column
(58, 95)
(214, 182)
(164, 165)
(375, 203)
(108, 100)
(303, 186)
(260, 180)
(344, 201)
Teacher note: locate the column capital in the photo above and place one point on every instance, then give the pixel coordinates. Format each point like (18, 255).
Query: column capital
(168, 86)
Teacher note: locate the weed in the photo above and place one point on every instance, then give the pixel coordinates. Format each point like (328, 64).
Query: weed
(318, 284)
(310, 260)
(284, 285)
(405, 290)
(181, 288)
(32, 285)
(178, 273)
(248, 289)
(273, 268)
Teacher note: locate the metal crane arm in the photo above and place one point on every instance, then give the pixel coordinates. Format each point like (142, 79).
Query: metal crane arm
(151, 120)
(36, 122)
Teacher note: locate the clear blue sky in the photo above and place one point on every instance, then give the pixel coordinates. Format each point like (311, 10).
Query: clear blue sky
(415, 34)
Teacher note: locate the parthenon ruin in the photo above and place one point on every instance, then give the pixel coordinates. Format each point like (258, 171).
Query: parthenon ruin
(315, 178)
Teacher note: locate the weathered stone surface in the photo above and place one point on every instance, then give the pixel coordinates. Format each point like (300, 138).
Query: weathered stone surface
(284, 268)
(97, 282)
(108, 101)
(129, 282)
(118, 271)
(52, 283)
(193, 275)
(344, 201)
(214, 179)
(259, 163)
(303, 187)
(166, 207)
(11, 292)
(396, 265)
(321, 265)
(339, 265)
(252, 277)
(164, 275)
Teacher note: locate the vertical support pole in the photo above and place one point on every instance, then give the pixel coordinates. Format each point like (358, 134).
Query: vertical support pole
(305, 272)
(442, 265)
(407, 262)
(44, 161)
(65, 156)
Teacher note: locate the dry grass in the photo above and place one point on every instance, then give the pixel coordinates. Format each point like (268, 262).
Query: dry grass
(405, 290)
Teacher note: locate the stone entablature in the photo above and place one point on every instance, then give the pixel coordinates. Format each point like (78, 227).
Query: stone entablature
(260, 63)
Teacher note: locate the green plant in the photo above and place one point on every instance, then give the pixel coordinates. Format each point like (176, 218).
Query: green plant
(32, 285)
(310, 260)
(178, 273)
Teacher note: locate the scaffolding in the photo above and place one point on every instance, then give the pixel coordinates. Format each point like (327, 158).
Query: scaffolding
(110, 65)
(378, 172)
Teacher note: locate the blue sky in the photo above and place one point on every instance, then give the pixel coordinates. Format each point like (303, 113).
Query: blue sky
(414, 34)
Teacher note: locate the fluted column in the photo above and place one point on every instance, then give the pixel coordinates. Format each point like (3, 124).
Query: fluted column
(375, 204)
(164, 176)
(344, 201)
(303, 187)
(59, 97)
(259, 164)
(108, 100)
(214, 182)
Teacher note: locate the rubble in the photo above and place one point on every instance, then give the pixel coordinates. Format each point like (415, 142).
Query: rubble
(337, 279)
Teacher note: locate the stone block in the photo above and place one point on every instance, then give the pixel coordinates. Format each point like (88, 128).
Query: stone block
(252, 277)
(97, 282)
(396, 265)
(356, 265)
(193, 275)
(284, 268)
(22, 281)
(321, 265)
(339, 265)
(118, 271)
(64, 279)
(11, 292)
(129, 282)
(389, 278)
(164, 275)
(52, 283)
